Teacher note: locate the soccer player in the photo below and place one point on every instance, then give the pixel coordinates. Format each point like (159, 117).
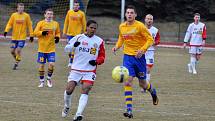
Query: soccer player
(136, 40)
(149, 55)
(89, 52)
(74, 24)
(196, 33)
(19, 21)
(48, 33)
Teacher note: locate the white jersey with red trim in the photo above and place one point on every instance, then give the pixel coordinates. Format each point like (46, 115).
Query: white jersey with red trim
(90, 48)
(196, 33)
(156, 37)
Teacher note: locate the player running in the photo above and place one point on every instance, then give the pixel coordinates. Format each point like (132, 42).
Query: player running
(136, 40)
(89, 52)
(19, 21)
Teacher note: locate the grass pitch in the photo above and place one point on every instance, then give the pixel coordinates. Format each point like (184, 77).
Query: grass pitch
(183, 96)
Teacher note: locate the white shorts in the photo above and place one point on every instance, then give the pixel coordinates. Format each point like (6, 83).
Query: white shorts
(149, 55)
(80, 77)
(195, 50)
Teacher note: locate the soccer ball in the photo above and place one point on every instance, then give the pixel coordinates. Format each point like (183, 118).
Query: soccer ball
(120, 74)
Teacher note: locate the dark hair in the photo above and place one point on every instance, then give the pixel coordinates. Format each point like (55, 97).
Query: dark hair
(196, 14)
(131, 7)
(49, 9)
(20, 4)
(91, 22)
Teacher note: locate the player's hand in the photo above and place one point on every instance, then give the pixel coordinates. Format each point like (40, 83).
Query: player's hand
(57, 39)
(31, 39)
(44, 33)
(5, 34)
(114, 49)
(93, 62)
(76, 44)
(139, 54)
(184, 45)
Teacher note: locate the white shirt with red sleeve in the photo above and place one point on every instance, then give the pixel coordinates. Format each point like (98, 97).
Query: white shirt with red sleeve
(90, 48)
(196, 33)
(156, 37)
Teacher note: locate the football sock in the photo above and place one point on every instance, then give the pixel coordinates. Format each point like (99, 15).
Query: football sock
(128, 97)
(67, 99)
(18, 58)
(149, 87)
(82, 104)
(193, 62)
(148, 76)
(50, 72)
(41, 74)
(71, 56)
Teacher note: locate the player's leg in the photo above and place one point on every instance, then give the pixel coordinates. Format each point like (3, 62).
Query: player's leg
(141, 74)
(13, 47)
(20, 45)
(192, 64)
(128, 62)
(73, 80)
(198, 55)
(51, 62)
(41, 60)
(87, 83)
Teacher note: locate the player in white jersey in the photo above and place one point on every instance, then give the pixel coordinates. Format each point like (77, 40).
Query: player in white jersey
(89, 52)
(149, 55)
(196, 33)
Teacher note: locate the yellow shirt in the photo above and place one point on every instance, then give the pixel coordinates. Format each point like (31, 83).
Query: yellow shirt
(75, 23)
(19, 23)
(47, 42)
(134, 37)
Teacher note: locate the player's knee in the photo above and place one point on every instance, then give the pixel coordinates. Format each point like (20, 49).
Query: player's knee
(86, 90)
(12, 52)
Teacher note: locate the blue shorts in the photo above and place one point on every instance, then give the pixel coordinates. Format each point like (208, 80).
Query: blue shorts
(135, 66)
(69, 38)
(17, 43)
(42, 57)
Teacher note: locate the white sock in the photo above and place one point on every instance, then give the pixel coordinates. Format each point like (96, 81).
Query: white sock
(42, 80)
(67, 100)
(82, 104)
(193, 62)
(148, 76)
(48, 77)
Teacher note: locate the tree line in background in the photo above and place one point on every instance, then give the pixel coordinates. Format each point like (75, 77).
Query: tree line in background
(162, 10)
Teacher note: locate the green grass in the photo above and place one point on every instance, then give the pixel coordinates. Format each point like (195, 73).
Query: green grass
(183, 96)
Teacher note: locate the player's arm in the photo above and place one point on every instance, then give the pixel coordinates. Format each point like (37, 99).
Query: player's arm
(204, 35)
(57, 33)
(149, 40)
(157, 38)
(37, 30)
(187, 35)
(71, 44)
(9, 24)
(84, 23)
(29, 24)
(101, 56)
(66, 22)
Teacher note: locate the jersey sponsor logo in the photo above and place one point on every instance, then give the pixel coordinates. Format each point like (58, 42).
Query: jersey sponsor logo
(127, 37)
(75, 18)
(93, 51)
(88, 50)
(19, 21)
(84, 43)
